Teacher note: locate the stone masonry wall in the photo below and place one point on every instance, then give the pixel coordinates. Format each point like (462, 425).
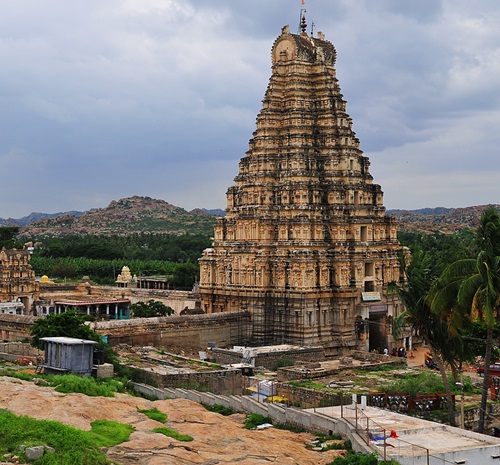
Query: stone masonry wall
(269, 360)
(221, 382)
(193, 332)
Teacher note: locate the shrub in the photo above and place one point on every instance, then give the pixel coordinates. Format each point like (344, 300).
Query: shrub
(218, 408)
(356, 458)
(255, 419)
(415, 384)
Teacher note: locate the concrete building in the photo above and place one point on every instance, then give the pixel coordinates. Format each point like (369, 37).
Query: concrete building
(305, 245)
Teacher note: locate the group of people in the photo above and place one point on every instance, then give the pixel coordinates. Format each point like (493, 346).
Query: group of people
(401, 352)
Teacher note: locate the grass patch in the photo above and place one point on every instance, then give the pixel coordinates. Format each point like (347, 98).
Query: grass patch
(218, 408)
(16, 373)
(307, 384)
(71, 445)
(382, 368)
(173, 434)
(111, 433)
(154, 414)
(423, 382)
(85, 385)
(255, 419)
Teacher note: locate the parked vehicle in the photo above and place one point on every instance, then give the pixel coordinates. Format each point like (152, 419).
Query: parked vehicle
(494, 370)
(429, 362)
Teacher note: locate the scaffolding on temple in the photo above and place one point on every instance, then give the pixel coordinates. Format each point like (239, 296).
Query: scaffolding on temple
(275, 318)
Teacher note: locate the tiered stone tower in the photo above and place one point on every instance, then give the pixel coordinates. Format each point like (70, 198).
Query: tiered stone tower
(17, 279)
(305, 245)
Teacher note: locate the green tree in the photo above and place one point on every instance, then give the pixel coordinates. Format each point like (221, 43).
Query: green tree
(8, 237)
(425, 324)
(185, 274)
(68, 324)
(475, 335)
(469, 289)
(63, 269)
(150, 309)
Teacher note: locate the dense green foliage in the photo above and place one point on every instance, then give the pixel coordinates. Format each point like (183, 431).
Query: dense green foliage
(140, 247)
(441, 249)
(100, 271)
(150, 309)
(8, 236)
(89, 386)
(469, 290)
(102, 258)
(68, 324)
(71, 445)
(475, 333)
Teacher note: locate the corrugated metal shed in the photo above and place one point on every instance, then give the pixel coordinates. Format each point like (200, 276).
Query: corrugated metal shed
(68, 355)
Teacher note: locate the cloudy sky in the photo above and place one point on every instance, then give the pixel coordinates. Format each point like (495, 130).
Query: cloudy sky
(105, 99)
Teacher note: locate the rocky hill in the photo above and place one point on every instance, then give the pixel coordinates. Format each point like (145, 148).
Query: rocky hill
(146, 215)
(35, 216)
(124, 217)
(445, 220)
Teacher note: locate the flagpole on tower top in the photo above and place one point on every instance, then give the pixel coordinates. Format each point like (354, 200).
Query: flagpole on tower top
(302, 19)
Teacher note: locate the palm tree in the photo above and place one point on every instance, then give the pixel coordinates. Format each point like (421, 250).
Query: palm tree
(425, 324)
(470, 289)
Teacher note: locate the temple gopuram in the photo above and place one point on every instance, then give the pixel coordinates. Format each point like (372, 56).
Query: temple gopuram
(305, 246)
(18, 287)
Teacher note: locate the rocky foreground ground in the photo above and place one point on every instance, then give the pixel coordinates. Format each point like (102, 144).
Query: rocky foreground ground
(218, 440)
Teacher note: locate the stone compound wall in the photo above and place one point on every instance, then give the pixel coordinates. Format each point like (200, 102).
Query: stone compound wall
(15, 327)
(223, 382)
(12, 351)
(191, 332)
(269, 360)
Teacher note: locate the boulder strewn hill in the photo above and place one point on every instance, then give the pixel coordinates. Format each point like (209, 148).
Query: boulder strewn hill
(35, 216)
(124, 217)
(445, 220)
(146, 215)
